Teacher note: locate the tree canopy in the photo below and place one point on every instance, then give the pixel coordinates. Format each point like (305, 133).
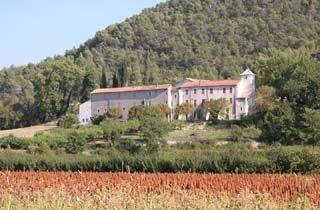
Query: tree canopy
(208, 39)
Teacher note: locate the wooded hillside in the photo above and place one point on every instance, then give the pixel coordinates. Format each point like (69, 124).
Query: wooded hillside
(209, 39)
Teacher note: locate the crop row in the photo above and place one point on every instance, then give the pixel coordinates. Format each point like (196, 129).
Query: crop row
(285, 187)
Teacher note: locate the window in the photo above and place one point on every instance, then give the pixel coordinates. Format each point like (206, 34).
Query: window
(142, 102)
(195, 103)
(195, 91)
(87, 120)
(187, 92)
(98, 110)
(230, 90)
(203, 101)
(124, 109)
(230, 100)
(241, 108)
(175, 96)
(224, 90)
(187, 101)
(150, 93)
(211, 90)
(202, 91)
(82, 120)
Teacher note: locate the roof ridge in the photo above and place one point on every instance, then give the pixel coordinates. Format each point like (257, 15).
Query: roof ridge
(131, 88)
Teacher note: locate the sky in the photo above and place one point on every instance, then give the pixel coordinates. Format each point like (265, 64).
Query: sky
(31, 30)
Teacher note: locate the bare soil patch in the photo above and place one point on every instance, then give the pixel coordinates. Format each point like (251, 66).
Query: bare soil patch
(29, 131)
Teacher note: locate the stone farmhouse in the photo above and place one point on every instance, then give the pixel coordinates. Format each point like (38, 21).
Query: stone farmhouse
(239, 94)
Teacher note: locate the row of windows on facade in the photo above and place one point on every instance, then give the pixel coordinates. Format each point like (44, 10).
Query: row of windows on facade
(144, 102)
(224, 90)
(149, 94)
(204, 100)
(187, 102)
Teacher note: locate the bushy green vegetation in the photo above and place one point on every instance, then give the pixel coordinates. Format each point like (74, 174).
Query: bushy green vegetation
(149, 128)
(116, 146)
(216, 108)
(288, 102)
(68, 120)
(232, 159)
(208, 39)
(184, 109)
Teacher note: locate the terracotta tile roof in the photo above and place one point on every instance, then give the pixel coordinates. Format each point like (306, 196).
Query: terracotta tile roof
(211, 83)
(130, 89)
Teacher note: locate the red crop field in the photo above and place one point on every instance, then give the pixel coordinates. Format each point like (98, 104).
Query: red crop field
(286, 188)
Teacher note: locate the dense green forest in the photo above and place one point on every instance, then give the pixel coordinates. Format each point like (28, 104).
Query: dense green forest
(196, 38)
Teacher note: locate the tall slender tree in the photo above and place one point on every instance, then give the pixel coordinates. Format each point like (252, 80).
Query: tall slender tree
(103, 82)
(88, 85)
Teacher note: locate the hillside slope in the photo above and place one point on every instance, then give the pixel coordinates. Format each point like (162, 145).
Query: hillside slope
(196, 38)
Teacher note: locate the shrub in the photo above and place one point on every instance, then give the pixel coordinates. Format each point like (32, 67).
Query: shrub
(152, 111)
(114, 113)
(97, 119)
(165, 109)
(112, 129)
(131, 126)
(237, 133)
(75, 143)
(90, 132)
(252, 132)
(184, 109)
(295, 160)
(43, 148)
(135, 112)
(176, 124)
(128, 145)
(15, 142)
(67, 121)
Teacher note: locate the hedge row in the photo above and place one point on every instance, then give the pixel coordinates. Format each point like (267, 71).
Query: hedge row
(274, 161)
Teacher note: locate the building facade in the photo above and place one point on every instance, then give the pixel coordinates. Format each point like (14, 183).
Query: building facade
(85, 113)
(239, 94)
(126, 97)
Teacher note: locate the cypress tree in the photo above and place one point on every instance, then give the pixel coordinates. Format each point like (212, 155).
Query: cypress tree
(103, 82)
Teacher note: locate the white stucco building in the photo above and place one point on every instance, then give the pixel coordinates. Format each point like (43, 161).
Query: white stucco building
(124, 98)
(240, 95)
(85, 113)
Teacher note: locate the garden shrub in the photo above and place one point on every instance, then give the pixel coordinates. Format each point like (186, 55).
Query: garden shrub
(67, 121)
(112, 129)
(15, 142)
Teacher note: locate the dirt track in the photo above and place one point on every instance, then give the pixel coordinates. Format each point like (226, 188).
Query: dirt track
(28, 132)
